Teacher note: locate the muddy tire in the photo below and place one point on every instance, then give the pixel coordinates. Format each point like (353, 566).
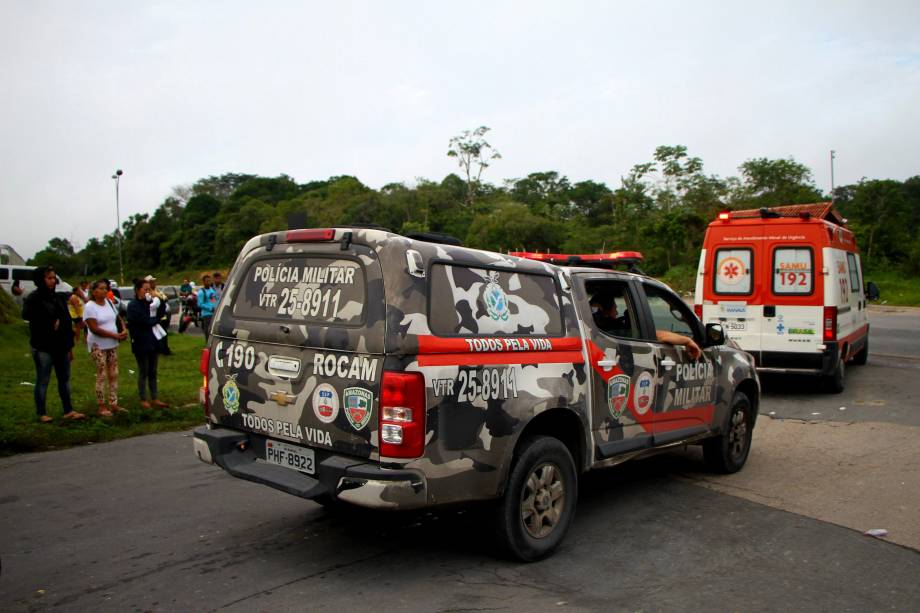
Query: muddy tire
(834, 382)
(728, 452)
(860, 358)
(537, 509)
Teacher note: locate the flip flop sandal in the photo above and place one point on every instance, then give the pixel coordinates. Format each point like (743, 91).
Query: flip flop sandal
(104, 413)
(45, 419)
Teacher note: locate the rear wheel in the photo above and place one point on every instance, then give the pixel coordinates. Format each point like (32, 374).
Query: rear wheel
(728, 452)
(860, 358)
(539, 502)
(834, 381)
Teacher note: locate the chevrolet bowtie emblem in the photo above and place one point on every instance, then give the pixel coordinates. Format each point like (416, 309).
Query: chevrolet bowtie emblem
(282, 399)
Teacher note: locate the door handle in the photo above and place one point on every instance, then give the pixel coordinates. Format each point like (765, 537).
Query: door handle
(607, 364)
(668, 363)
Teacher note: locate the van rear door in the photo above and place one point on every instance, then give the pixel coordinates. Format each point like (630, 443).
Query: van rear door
(297, 344)
(735, 287)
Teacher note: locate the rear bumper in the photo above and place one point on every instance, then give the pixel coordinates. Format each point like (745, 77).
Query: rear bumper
(818, 363)
(351, 480)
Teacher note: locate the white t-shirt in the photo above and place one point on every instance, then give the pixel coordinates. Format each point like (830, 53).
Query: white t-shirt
(105, 319)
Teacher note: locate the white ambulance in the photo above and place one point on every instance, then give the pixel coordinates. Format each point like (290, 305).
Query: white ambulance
(786, 284)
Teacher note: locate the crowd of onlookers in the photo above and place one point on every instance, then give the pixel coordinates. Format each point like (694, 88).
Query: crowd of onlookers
(56, 324)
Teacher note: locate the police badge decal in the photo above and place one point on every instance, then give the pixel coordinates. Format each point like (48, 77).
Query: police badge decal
(494, 297)
(618, 395)
(231, 393)
(358, 403)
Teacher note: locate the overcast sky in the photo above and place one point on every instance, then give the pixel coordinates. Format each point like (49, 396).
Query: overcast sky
(175, 91)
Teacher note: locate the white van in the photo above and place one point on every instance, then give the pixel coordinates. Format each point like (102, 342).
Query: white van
(786, 284)
(10, 274)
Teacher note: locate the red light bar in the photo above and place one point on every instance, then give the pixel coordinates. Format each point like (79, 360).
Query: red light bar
(725, 216)
(309, 236)
(564, 258)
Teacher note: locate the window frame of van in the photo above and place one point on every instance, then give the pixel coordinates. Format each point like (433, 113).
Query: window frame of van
(855, 270)
(4, 273)
(273, 318)
(478, 265)
(715, 275)
(811, 254)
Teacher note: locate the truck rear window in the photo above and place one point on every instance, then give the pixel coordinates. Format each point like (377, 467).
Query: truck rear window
(302, 288)
(793, 270)
(733, 271)
(485, 302)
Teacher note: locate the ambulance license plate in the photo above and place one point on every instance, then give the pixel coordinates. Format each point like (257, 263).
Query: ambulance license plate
(289, 456)
(736, 326)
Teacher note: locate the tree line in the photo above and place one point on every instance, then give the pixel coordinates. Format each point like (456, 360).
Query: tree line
(661, 208)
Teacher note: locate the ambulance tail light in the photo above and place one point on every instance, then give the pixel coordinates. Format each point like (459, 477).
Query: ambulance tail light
(830, 323)
(402, 415)
(204, 397)
(310, 236)
(698, 309)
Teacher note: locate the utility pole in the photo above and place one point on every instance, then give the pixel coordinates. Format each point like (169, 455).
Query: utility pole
(833, 155)
(121, 266)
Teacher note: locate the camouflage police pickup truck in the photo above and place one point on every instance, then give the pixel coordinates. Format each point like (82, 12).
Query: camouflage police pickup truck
(366, 367)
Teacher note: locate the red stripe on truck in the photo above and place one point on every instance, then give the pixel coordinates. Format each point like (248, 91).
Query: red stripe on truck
(438, 351)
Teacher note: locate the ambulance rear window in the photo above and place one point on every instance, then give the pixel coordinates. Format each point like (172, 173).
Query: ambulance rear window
(854, 272)
(302, 288)
(793, 270)
(733, 271)
(484, 302)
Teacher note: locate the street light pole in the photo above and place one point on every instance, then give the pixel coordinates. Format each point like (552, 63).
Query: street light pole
(833, 155)
(121, 267)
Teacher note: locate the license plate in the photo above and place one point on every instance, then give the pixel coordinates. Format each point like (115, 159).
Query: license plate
(289, 456)
(736, 326)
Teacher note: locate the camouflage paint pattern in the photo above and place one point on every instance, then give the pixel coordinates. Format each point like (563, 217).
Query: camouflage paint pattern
(435, 309)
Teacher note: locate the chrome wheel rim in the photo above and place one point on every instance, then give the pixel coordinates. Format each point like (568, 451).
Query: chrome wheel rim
(737, 436)
(542, 500)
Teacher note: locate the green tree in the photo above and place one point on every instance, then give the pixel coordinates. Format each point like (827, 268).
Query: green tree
(766, 182)
(474, 155)
(60, 254)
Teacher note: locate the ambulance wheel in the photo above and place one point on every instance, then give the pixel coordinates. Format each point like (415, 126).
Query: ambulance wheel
(728, 452)
(834, 381)
(860, 358)
(539, 502)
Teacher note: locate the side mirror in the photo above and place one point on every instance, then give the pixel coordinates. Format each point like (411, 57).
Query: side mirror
(872, 292)
(714, 334)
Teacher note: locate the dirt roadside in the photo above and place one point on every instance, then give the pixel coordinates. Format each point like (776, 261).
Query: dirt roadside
(861, 475)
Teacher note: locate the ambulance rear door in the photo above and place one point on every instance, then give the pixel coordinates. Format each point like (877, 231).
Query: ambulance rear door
(735, 288)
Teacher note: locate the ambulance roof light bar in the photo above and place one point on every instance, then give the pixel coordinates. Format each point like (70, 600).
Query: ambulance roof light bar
(627, 259)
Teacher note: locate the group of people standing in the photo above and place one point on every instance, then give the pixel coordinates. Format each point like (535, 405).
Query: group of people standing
(55, 325)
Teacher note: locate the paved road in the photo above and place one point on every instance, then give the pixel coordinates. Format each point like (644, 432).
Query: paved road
(141, 525)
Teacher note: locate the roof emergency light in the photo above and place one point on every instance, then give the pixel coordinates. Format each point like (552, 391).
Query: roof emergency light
(628, 259)
(725, 216)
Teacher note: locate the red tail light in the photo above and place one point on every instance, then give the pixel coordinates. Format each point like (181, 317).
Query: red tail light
(309, 236)
(402, 415)
(203, 369)
(830, 323)
(698, 309)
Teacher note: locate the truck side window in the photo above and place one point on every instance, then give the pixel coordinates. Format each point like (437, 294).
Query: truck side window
(854, 273)
(4, 274)
(668, 311)
(612, 309)
(793, 270)
(733, 271)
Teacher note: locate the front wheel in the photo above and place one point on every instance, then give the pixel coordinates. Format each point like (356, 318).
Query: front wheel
(539, 502)
(728, 452)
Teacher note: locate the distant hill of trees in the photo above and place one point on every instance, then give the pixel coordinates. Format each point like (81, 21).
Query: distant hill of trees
(661, 207)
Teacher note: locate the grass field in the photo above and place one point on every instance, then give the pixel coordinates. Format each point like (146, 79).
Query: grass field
(20, 431)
